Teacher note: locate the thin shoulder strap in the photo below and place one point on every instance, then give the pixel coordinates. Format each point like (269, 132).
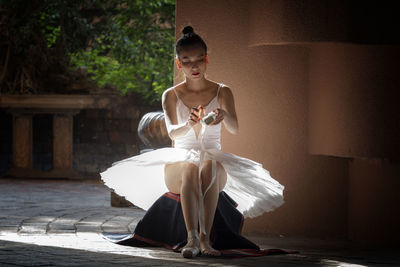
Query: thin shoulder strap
(219, 87)
(176, 93)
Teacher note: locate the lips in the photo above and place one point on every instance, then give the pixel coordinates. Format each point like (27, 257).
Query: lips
(195, 73)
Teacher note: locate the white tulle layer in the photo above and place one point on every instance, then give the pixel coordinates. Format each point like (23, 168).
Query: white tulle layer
(140, 179)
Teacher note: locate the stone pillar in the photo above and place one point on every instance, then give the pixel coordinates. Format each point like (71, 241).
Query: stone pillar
(63, 144)
(22, 141)
(62, 140)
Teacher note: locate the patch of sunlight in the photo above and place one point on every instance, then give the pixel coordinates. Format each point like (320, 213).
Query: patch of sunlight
(84, 241)
(329, 262)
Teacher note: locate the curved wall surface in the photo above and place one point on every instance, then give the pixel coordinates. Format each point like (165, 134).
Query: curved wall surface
(315, 101)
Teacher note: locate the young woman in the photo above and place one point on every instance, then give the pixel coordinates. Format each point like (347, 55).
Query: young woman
(196, 168)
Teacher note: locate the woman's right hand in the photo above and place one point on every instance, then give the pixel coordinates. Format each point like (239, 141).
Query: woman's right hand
(195, 115)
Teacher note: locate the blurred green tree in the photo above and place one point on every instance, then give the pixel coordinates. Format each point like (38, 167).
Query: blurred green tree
(127, 44)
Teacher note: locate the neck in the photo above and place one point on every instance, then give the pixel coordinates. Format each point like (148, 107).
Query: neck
(196, 85)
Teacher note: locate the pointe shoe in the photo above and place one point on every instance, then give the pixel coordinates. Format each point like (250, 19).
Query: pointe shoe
(191, 251)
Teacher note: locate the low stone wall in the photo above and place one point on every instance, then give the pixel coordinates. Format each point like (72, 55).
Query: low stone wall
(102, 134)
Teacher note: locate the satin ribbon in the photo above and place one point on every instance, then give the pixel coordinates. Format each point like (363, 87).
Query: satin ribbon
(213, 175)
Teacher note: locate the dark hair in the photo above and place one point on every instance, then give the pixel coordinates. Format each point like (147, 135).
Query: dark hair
(189, 39)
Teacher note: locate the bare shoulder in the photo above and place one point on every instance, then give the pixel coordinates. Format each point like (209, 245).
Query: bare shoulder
(169, 96)
(167, 93)
(225, 92)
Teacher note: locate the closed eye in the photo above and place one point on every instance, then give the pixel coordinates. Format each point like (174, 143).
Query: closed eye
(188, 61)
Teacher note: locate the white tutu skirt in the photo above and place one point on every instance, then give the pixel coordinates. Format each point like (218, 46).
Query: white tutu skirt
(140, 179)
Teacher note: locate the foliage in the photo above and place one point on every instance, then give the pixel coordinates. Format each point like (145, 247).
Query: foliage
(127, 44)
(136, 51)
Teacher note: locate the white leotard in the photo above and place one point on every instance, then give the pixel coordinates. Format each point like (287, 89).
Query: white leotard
(212, 136)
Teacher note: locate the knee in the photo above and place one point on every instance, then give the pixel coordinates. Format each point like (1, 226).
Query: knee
(190, 174)
(206, 175)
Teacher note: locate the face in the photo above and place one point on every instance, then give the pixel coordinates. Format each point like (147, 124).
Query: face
(193, 62)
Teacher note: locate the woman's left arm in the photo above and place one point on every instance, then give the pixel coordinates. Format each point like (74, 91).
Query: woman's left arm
(227, 112)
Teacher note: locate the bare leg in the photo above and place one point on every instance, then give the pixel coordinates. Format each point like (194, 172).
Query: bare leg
(210, 204)
(187, 187)
(182, 178)
(189, 197)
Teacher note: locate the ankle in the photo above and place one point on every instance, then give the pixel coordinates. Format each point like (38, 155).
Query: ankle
(193, 234)
(204, 238)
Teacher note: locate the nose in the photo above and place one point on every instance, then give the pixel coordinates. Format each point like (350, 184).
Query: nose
(195, 64)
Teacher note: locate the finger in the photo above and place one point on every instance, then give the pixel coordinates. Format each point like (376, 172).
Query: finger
(219, 118)
(198, 113)
(194, 117)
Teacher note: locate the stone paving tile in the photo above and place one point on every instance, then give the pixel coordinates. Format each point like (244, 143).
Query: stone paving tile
(33, 229)
(8, 228)
(89, 227)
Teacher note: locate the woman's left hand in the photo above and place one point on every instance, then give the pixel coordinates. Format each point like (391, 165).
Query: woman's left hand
(220, 116)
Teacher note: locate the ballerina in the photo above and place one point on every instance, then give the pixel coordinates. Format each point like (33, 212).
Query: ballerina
(195, 167)
(181, 177)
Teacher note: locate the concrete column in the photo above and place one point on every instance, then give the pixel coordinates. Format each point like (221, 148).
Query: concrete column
(353, 101)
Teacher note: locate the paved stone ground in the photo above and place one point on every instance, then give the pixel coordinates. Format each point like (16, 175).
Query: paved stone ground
(57, 223)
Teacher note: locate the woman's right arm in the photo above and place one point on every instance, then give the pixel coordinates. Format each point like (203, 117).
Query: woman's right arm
(174, 129)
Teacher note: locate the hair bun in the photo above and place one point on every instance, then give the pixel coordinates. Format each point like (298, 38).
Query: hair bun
(187, 30)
